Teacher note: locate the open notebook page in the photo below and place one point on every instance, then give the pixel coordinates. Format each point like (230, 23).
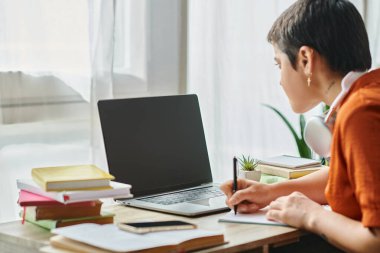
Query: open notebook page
(251, 218)
(122, 241)
(254, 218)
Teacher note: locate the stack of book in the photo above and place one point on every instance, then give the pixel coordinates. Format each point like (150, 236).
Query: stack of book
(68, 195)
(289, 167)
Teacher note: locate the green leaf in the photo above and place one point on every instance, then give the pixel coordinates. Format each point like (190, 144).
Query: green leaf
(302, 124)
(247, 163)
(325, 108)
(303, 149)
(306, 151)
(285, 121)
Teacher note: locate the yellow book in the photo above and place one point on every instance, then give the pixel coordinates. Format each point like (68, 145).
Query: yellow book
(285, 172)
(69, 178)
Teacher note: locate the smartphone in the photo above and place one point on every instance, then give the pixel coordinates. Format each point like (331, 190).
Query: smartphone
(146, 227)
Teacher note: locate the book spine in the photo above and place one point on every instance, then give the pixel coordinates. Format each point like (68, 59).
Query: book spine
(274, 171)
(96, 220)
(287, 173)
(104, 218)
(298, 174)
(47, 224)
(66, 212)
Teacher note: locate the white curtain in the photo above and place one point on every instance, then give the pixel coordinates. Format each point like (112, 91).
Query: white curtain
(372, 18)
(35, 41)
(102, 23)
(231, 68)
(58, 58)
(45, 74)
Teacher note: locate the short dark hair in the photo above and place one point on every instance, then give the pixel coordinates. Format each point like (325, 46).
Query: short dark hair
(334, 28)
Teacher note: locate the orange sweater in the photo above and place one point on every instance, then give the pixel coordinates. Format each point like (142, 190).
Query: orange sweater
(353, 187)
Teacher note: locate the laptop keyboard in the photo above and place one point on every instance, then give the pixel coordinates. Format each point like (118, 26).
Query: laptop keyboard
(186, 196)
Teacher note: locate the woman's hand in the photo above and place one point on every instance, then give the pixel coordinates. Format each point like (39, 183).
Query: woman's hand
(295, 210)
(250, 197)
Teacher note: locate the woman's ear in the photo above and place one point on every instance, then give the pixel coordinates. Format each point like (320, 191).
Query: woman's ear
(306, 59)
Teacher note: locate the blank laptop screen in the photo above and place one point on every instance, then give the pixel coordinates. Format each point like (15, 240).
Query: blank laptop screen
(156, 144)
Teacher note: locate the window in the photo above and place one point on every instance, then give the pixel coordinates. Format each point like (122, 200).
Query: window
(45, 59)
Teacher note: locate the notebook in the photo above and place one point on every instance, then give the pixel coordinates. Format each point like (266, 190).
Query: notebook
(117, 190)
(90, 238)
(157, 145)
(258, 217)
(72, 178)
(291, 162)
(31, 199)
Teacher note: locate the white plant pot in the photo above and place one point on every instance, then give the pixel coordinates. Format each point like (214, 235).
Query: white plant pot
(251, 175)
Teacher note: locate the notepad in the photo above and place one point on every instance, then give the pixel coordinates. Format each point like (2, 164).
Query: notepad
(258, 217)
(251, 218)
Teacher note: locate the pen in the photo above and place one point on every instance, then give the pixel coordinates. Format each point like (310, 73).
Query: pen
(235, 181)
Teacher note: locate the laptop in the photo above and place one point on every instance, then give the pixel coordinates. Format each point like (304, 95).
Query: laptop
(157, 144)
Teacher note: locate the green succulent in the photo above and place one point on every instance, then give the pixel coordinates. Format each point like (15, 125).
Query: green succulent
(248, 163)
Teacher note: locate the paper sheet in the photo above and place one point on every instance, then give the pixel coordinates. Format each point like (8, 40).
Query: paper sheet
(252, 218)
(255, 218)
(122, 241)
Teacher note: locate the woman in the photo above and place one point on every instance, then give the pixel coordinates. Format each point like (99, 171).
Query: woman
(321, 46)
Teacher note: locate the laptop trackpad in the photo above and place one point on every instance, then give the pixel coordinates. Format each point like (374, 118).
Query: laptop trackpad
(212, 202)
(204, 202)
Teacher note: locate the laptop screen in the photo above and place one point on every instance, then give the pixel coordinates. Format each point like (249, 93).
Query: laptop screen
(156, 144)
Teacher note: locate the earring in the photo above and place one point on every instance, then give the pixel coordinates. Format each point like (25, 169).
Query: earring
(309, 80)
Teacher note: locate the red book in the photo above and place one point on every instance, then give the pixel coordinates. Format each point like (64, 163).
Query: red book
(31, 199)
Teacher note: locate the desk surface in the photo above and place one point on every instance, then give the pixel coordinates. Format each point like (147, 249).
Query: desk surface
(15, 237)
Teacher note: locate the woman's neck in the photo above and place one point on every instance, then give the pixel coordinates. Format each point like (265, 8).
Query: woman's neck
(331, 91)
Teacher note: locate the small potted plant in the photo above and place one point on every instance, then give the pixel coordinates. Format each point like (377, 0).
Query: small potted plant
(247, 168)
